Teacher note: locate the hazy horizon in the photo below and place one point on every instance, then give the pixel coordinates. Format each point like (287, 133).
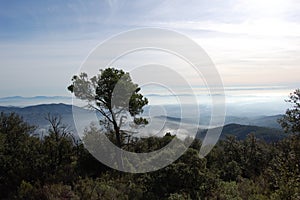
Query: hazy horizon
(259, 100)
(253, 45)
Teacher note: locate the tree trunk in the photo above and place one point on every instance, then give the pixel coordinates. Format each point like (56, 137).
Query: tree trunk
(119, 151)
(118, 137)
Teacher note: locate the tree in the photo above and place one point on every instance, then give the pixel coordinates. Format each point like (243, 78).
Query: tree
(18, 153)
(58, 151)
(291, 120)
(113, 94)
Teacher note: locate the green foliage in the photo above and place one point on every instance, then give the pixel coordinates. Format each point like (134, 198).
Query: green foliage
(113, 94)
(55, 191)
(228, 191)
(291, 119)
(18, 160)
(176, 196)
(56, 167)
(97, 189)
(25, 190)
(231, 171)
(13, 124)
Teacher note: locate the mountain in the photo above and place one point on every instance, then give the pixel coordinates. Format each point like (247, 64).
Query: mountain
(20, 101)
(237, 126)
(242, 131)
(263, 121)
(36, 115)
(267, 121)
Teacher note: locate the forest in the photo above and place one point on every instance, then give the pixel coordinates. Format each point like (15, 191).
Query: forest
(56, 167)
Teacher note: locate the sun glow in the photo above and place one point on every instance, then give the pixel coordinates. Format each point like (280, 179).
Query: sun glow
(265, 8)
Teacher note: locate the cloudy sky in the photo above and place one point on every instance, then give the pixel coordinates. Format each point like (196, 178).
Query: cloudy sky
(43, 43)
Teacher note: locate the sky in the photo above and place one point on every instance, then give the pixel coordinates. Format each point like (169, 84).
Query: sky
(253, 43)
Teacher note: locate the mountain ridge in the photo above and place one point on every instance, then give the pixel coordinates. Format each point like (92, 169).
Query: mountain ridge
(36, 115)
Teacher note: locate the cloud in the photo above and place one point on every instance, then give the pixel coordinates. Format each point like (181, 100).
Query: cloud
(51, 38)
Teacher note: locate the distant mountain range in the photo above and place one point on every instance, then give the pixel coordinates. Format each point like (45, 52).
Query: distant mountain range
(20, 101)
(36, 115)
(264, 127)
(262, 121)
(34, 97)
(242, 131)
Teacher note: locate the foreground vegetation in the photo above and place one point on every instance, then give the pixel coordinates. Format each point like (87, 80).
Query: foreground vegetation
(56, 167)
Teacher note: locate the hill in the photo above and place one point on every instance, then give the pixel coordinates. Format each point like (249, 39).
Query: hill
(36, 115)
(262, 121)
(241, 132)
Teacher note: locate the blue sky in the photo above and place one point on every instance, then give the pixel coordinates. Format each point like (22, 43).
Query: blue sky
(43, 43)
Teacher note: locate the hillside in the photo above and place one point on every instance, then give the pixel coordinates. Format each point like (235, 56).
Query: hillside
(241, 132)
(262, 121)
(36, 115)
